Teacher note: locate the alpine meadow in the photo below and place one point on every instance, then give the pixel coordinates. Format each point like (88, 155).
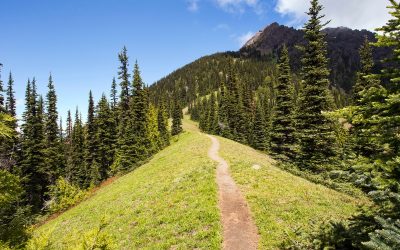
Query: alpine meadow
(289, 141)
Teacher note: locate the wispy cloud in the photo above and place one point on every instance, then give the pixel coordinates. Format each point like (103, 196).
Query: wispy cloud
(242, 39)
(240, 6)
(355, 15)
(193, 5)
(222, 26)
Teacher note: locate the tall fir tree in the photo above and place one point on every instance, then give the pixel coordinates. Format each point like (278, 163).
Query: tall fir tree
(259, 140)
(389, 36)
(54, 158)
(176, 118)
(365, 78)
(77, 172)
(283, 128)
(11, 101)
(315, 131)
(124, 98)
(105, 137)
(91, 144)
(32, 161)
(162, 120)
(2, 106)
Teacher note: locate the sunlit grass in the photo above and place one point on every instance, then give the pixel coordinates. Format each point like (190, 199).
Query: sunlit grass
(170, 202)
(282, 203)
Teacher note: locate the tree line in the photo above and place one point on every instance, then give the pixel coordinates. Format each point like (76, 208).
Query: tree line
(294, 118)
(120, 133)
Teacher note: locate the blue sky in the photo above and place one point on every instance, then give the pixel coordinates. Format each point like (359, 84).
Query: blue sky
(78, 40)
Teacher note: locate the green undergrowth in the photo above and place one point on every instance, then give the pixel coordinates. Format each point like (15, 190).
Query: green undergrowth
(283, 204)
(168, 203)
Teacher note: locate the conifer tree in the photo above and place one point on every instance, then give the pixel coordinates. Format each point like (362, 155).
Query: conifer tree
(91, 144)
(54, 158)
(213, 115)
(33, 161)
(2, 107)
(314, 130)
(113, 95)
(365, 78)
(176, 118)
(77, 172)
(104, 137)
(162, 120)
(260, 140)
(153, 134)
(11, 102)
(282, 129)
(124, 98)
(389, 36)
(139, 119)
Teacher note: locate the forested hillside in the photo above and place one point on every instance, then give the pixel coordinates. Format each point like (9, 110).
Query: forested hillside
(304, 125)
(47, 166)
(348, 142)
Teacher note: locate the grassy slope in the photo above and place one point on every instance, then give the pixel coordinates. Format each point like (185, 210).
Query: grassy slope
(282, 203)
(170, 202)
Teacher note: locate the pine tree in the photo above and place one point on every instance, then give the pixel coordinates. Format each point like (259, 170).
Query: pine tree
(153, 134)
(124, 98)
(389, 36)
(213, 115)
(33, 161)
(11, 102)
(54, 158)
(176, 118)
(113, 95)
(162, 120)
(260, 140)
(77, 172)
(314, 130)
(132, 149)
(282, 129)
(365, 78)
(104, 136)
(2, 108)
(91, 144)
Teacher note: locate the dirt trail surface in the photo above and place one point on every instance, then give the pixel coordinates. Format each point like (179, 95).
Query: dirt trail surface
(239, 230)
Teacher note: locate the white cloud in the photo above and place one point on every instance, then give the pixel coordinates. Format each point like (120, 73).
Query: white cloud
(193, 5)
(242, 39)
(239, 6)
(356, 14)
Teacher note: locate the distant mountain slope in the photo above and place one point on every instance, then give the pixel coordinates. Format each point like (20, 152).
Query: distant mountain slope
(343, 45)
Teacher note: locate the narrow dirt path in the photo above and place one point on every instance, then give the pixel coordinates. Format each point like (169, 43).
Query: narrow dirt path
(239, 230)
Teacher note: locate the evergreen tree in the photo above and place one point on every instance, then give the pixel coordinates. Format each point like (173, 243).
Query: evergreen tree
(176, 118)
(54, 158)
(260, 140)
(11, 102)
(33, 161)
(77, 172)
(213, 115)
(389, 36)
(365, 78)
(2, 108)
(153, 134)
(104, 137)
(282, 129)
(91, 144)
(314, 130)
(133, 146)
(124, 98)
(162, 120)
(113, 95)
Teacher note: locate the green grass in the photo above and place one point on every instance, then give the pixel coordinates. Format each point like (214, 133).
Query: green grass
(168, 203)
(171, 202)
(282, 203)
